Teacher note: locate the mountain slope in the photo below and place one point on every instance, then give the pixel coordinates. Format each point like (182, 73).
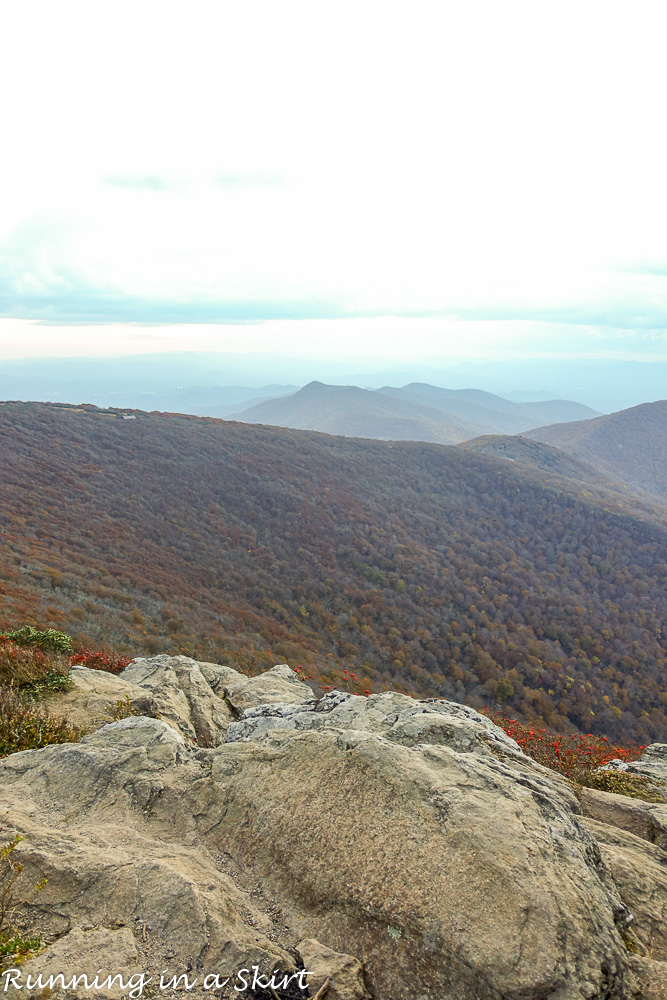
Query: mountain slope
(434, 569)
(354, 412)
(537, 456)
(629, 446)
(494, 413)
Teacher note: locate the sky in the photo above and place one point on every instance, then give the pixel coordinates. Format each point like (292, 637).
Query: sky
(425, 180)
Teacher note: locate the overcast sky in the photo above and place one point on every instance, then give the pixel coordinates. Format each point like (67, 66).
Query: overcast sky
(423, 179)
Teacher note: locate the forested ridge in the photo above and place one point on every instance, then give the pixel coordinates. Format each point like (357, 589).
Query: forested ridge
(426, 568)
(629, 446)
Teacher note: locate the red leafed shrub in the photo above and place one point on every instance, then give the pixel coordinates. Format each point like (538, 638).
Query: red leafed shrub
(579, 757)
(100, 659)
(569, 755)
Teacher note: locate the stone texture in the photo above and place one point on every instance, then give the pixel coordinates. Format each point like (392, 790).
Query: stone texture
(639, 871)
(653, 762)
(105, 824)
(648, 979)
(184, 695)
(93, 691)
(647, 820)
(447, 874)
(85, 952)
(346, 974)
(398, 716)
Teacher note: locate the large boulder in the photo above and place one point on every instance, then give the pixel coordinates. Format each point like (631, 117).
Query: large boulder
(201, 699)
(639, 871)
(104, 823)
(397, 716)
(413, 839)
(647, 820)
(449, 874)
(277, 686)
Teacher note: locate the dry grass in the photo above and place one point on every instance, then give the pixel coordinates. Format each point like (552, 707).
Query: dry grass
(26, 726)
(32, 670)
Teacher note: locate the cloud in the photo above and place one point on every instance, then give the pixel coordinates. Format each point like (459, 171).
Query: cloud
(234, 179)
(145, 182)
(657, 268)
(97, 306)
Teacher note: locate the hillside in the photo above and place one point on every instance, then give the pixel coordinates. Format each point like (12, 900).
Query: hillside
(435, 570)
(495, 414)
(629, 447)
(354, 412)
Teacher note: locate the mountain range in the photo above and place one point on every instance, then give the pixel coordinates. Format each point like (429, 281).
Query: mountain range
(415, 412)
(144, 381)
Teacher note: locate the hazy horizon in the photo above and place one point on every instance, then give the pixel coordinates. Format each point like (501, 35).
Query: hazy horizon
(144, 381)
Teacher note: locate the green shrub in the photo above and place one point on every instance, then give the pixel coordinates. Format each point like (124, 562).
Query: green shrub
(122, 709)
(47, 639)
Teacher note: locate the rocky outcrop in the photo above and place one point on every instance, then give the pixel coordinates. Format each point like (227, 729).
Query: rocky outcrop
(184, 696)
(278, 686)
(106, 825)
(93, 693)
(405, 849)
(639, 871)
(201, 699)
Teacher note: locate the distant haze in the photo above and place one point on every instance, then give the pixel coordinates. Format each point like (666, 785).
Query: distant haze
(194, 382)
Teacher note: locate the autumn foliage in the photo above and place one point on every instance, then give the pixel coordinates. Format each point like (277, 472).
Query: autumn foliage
(579, 757)
(415, 567)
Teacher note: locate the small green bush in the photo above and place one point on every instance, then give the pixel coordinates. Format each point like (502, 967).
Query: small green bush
(637, 786)
(47, 639)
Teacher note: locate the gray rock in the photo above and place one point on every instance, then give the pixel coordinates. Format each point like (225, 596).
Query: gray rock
(87, 952)
(398, 716)
(280, 685)
(183, 695)
(652, 763)
(454, 875)
(414, 836)
(95, 691)
(639, 870)
(108, 823)
(647, 820)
